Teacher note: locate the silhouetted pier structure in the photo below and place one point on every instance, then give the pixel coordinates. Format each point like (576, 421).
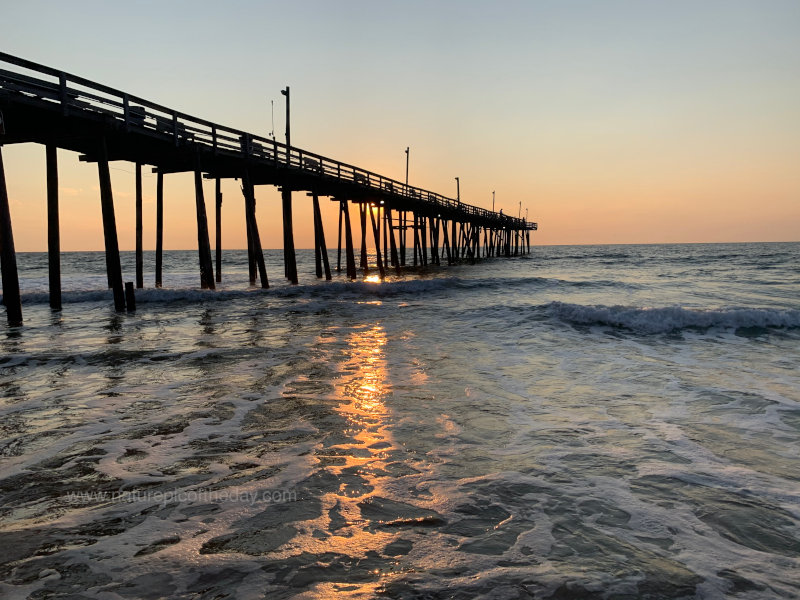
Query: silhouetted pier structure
(46, 106)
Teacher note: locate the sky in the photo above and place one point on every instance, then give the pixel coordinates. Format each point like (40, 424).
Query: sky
(607, 122)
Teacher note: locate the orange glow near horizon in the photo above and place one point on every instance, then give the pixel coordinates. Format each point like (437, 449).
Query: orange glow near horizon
(591, 206)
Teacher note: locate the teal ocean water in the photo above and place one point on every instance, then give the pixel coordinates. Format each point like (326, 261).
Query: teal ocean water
(582, 422)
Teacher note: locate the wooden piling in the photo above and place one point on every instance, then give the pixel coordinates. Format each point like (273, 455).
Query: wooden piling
(53, 228)
(159, 227)
(203, 244)
(435, 241)
(385, 235)
(218, 225)
(376, 230)
(256, 251)
(339, 238)
(362, 213)
(113, 266)
(130, 297)
(249, 219)
(454, 240)
(447, 244)
(317, 255)
(392, 242)
(8, 256)
(348, 237)
(139, 249)
(321, 250)
(290, 259)
(402, 232)
(417, 252)
(423, 221)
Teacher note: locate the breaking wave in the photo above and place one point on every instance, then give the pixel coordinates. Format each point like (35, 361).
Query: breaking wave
(674, 318)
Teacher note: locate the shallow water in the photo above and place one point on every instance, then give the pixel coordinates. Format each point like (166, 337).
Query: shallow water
(583, 422)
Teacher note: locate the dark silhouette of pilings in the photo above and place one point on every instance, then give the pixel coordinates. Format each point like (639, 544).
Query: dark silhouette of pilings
(376, 230)
(113, 266)
(53, 228)
(289, 258)
(348, 238)
(8, 256)
(218, 225)
(159, 227)
(203, 244)
(320, 248)
(139, 248)
(255, 251)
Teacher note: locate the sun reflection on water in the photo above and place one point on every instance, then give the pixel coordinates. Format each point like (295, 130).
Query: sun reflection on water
(368, 388)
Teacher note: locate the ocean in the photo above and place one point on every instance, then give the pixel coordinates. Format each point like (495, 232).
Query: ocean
(582, 422)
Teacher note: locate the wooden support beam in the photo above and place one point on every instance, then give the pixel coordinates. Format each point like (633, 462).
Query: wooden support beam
(113, 267)
(53, 228)
(454, 240)
(321, 250)
(8, 256)
(130, 297)
(417, 250)
(392, 243)
(348, 237)
(317, 255)
(447, 244)
(249, 219)
(159, 227)
(423, 220)
(376, 230)
(139, 249)
(385, 237)
(256, 251)
(290, 259)
(339, 238)
(362, 213)
(435, 241)
(218, 225)
(403, 232)
(203, 244)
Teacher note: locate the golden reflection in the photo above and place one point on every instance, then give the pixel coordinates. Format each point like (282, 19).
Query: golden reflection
(364, 393)
(359, 459)
(372, 279)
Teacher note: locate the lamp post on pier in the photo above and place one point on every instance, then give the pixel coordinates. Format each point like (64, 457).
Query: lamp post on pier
(458, 191)
(407, 153)
(492, 200)
(288, 133)
(289, 259)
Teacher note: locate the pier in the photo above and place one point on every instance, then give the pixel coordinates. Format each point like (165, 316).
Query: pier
(42, 105)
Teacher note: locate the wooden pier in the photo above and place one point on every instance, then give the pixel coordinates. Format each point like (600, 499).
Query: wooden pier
(46, 106)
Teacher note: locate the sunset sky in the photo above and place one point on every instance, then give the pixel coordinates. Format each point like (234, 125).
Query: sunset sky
(626, 121)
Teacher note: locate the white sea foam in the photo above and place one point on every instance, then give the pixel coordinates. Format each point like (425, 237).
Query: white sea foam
(674, 318)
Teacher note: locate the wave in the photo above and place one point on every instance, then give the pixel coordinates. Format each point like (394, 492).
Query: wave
(388, 288)
(674, 318)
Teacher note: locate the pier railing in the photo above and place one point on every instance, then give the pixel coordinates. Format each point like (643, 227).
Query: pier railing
(30, 81)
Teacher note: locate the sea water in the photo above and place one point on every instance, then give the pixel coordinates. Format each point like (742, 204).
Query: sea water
(581, 422)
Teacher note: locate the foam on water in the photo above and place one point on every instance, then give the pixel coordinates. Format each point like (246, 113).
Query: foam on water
(674, 318)
(585, 422)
